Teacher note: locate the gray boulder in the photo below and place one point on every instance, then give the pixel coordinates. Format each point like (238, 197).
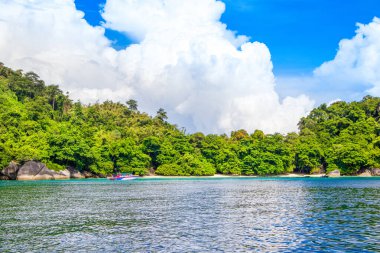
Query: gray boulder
(88, 174)
(63, 174)
(375, 172)
(10, 171)
(38, 171)
(366, 173)
(75, 173)
(334, 173)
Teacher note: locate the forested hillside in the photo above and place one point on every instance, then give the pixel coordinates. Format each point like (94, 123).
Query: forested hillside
(39, 122)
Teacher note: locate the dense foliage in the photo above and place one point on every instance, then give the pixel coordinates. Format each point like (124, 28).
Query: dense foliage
(39, 122)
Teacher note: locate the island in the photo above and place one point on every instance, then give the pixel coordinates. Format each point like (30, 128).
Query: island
(46, 135)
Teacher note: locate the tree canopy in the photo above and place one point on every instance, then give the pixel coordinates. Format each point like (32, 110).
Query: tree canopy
(40, 122)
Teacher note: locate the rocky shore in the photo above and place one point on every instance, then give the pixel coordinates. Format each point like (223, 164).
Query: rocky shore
(33, 170)
(336, 173)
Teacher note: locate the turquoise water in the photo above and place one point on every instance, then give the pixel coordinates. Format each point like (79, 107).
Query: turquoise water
(191, 215)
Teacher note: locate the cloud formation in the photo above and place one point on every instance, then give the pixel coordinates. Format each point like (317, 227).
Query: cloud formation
(185, 60)
(357, 63)
(188, 62)
(353, 73)
(52, 38)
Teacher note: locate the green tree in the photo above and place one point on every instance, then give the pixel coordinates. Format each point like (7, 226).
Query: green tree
(132, 104)
(162, 115)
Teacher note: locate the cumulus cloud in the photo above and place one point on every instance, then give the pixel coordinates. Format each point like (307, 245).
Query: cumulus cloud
(352, 74)
(187, 61)
(357, 63)
(184, 60)
(52, 39)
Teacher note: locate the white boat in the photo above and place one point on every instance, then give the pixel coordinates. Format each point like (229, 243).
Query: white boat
(122, 177)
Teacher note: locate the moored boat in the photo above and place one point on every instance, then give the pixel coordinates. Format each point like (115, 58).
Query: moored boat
(122, 177)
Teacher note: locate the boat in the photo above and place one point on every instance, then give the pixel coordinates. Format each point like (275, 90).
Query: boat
(120, 176)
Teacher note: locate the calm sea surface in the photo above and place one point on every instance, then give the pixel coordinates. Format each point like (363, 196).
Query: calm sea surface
(191, 215)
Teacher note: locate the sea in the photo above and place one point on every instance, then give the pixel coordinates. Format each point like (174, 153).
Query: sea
(191, 215)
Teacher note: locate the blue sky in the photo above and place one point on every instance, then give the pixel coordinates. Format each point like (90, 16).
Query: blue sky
(300, 34)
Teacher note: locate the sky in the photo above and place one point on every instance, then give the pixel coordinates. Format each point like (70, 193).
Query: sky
(214, 66)
(300, 34)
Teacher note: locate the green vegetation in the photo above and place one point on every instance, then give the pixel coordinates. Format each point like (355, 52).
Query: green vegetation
(40, 122)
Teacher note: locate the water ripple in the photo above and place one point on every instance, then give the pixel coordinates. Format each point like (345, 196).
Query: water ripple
(240, 215)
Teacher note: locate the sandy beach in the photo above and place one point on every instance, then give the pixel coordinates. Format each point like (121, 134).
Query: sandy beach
(290, 175)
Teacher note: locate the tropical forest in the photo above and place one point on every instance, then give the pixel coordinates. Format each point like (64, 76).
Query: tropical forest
(40, 122)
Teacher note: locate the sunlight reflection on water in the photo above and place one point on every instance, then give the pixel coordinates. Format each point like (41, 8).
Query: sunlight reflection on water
(225, 215)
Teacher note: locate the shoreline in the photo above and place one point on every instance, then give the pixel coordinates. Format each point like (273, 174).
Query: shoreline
(216, 176)
(291, 175)
(158, 177)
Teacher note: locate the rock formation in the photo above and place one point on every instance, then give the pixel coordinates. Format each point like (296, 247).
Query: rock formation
(375, 172)
(10, 171)
(366, 173)
(75, 173)
(38, 171)
(88, 174)
(33, 170)
(334, 173)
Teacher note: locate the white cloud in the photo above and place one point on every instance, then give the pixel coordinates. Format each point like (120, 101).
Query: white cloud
(352, 74)
(357, 62)
(185, 60)
(52, 39)
(188, 62)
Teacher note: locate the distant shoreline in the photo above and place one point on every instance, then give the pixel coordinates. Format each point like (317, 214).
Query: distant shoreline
(291, 175)
(217, 176)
